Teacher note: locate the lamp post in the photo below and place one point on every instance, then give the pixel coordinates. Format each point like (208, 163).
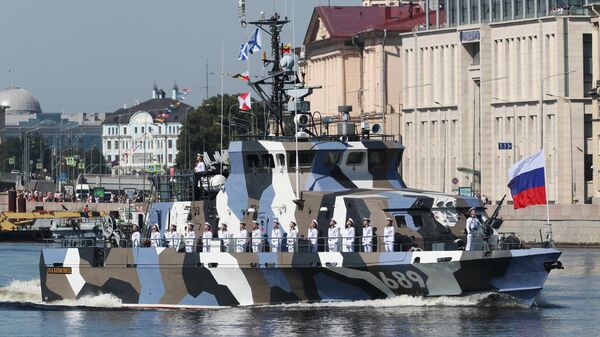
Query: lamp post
(444, 163)
(568, 100)
(541, 118)
(514, 147)
(254, 126)
(479, 82)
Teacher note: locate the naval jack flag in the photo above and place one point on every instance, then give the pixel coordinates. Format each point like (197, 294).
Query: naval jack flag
(527, 181)
(254, 43)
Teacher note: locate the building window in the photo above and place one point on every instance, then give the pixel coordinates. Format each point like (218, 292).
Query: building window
(170, 158)
(135, 130)
(587, 65)
(507, 10)
(170, 144)
(116, 145)
(124, 130)
(108, 145)
(519, 9)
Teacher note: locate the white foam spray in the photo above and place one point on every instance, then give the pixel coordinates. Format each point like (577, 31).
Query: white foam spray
(28, 291)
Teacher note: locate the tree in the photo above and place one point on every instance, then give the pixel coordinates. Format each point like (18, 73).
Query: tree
(11, 147)
(204, 126)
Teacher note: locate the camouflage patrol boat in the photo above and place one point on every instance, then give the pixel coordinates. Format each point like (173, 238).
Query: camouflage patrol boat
(308, 175)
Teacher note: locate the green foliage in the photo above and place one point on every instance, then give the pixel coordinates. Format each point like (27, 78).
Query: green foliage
(204, 127)
(11, 147)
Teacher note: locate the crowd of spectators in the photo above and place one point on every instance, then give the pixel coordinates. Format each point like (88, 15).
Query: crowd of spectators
(37, 196)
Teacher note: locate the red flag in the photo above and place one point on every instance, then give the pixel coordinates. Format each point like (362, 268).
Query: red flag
(245, 102)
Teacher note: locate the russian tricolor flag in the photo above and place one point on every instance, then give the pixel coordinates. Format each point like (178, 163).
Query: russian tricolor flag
(527, 181)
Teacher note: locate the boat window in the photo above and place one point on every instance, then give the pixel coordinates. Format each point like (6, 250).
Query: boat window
(331, 158)
(418, 220)
(268, 161)
(306, 158)
(281, 159)
(400, 221)
(355, 158)
(376, 158)
(252, 160)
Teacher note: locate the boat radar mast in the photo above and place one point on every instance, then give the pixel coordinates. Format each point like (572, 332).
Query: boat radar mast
(281, 90)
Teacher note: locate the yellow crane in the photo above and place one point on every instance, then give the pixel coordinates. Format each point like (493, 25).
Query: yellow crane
(12, 221)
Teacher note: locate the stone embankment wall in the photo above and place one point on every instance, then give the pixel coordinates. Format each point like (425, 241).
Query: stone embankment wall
(572, 225)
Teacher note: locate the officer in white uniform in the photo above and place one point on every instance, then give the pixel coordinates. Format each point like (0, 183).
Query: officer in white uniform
(136, 237)
(276, 237)
(367, 236)
(292, 237)
(388, 235)
(256, 238)
(207, 237)
(333, 236)
(224, 236)
(348, 234)
(313, 233)
(242, 239)
(155, 240)
(190, 239)
(474, 229)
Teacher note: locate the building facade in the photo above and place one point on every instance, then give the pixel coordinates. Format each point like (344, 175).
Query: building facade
(497, 82)
(594, 8)
(356, 64)
(136, 138)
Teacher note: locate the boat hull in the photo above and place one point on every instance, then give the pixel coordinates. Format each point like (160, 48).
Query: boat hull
(36, 235)
(162, 277)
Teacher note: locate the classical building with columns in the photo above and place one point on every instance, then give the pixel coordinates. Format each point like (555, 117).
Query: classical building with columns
(497, 82)
(136, 138)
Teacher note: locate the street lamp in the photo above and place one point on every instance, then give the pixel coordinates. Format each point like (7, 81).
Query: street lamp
(255, 125)
(444, 163)
(541, 119)
(568, 100)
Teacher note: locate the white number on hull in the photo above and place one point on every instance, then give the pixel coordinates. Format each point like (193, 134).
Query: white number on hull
(405, 280)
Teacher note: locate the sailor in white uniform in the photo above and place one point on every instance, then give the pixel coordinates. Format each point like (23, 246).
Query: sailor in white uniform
(136, 237)
(276, 237)
(207, 237)
(190, 239)
(292, 237)
(173, 237)
(333, 236)
(155, 237)
(256, 238)
(388, 235)
(224, 236)
(474, 229)
(242, 239)
(348, 237)
(313, 233)
(367, 236)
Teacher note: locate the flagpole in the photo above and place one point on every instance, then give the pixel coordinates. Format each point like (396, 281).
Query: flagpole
(549, 233)
(222, 100)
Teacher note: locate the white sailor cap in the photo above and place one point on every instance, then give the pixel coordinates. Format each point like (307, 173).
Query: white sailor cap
(333, 220)
(223, 225)
(389, 219)
(366, 219)
(316, 222)
(350, 219)
(293, 222)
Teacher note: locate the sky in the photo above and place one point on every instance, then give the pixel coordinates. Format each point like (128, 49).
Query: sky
(96, 56)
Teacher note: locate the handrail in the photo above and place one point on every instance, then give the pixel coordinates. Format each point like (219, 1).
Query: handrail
(367, 244)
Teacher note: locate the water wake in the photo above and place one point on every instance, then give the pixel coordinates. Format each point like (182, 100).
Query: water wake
(488, 299)
(28, 293)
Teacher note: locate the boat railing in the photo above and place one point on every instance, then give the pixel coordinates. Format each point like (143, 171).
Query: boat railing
(367, 244)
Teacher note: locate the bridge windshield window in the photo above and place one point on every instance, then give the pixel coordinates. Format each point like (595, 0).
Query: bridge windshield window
(268, 161)
(281, 159)
(355, 158)
(306, 158)
(252, 160)
(331, 158)
(400, 221)
(377, 158)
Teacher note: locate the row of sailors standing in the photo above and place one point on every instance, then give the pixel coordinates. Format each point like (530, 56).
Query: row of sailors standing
(336, 237)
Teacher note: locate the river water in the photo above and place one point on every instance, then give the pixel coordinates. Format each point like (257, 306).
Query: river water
(569, 306)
